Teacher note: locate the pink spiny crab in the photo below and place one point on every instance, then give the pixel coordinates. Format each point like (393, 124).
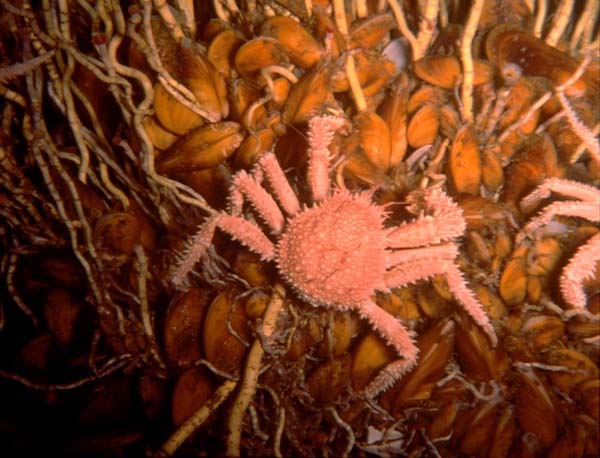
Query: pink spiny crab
(582, 265)
(338, 252)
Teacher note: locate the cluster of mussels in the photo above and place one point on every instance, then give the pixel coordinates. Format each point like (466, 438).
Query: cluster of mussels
(121, 126)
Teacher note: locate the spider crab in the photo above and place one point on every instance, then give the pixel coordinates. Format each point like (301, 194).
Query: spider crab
(337, 252)
(582, 265)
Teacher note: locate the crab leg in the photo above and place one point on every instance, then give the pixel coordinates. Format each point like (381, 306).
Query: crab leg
(259, 198)
(581, 267)
(587, 210)
(444, 251)
(240, 229)
(321, 130)
(568, 188)
(396, 335)
(411, 271)
(281, 187)
(446, 222)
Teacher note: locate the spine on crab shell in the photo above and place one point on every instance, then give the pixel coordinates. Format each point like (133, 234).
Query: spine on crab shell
(195, 249)
(581, 267)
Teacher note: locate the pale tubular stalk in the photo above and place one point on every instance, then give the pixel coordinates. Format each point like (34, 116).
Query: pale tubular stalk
(35, 97)
(357, 93)
(346, 427)
(578, 73)
(339, 13)
(308, 7)
(63, 21)
(119, 18)
(443, 17)
(559, 24)
(197, 419)
(403, 26)
(187, 10)
(220, 11)
(18, 69)
(90, 111)
(231, 5)
(177, 90)
(142, 275)
(12, 96)
(49, 19)
(89, 9)
(361, 8)
(589, 11)
(169, 20)
(279, 432)
(250, 378)
(525, 118)
(427, 27)
(467, 59)
(116, 192)
(15, 296)
(588, 34)
(540, 17)
(74, 121)
(105, 17)
(530, 5)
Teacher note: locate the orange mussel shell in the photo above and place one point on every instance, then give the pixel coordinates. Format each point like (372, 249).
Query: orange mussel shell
(507, 44)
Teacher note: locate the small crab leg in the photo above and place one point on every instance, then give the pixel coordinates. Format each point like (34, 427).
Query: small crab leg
(445, 223)
(321, 130)
(587, 210)
(281, 187)
(568, 188)
(444, 251)
(395, 334)
(408, 272)
(582, 266)
(244, 231)
(259, 198)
